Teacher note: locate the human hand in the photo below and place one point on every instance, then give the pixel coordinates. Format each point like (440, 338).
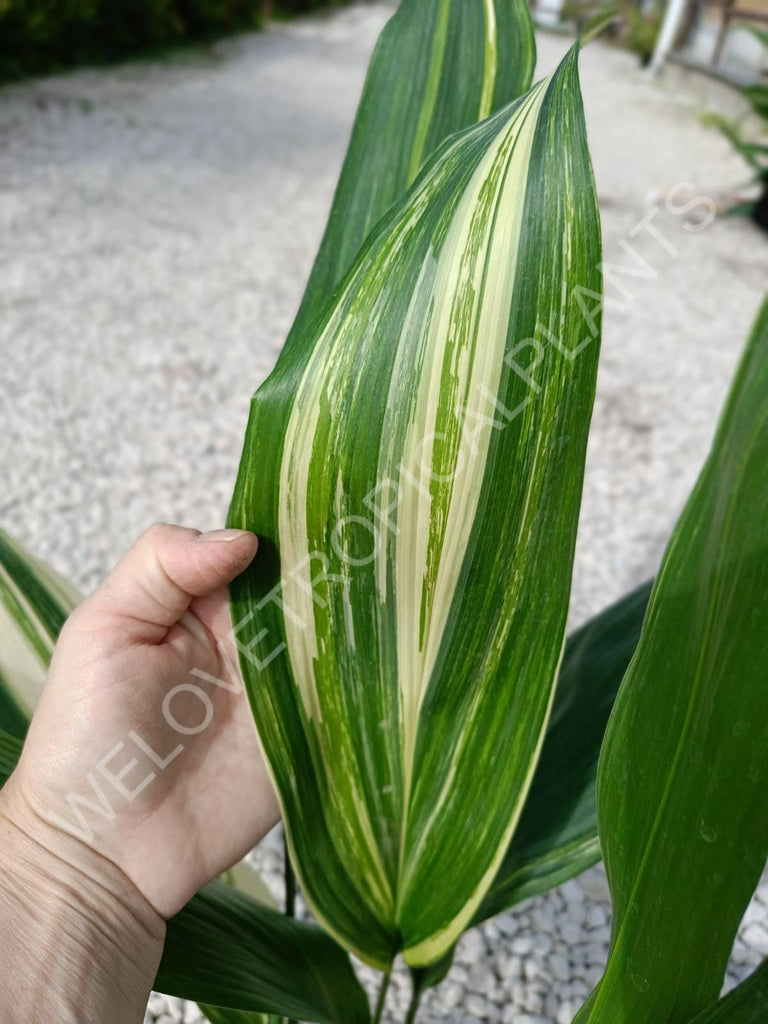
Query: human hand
(143, 750)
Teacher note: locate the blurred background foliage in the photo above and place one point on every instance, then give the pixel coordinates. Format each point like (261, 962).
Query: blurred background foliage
(39, 36)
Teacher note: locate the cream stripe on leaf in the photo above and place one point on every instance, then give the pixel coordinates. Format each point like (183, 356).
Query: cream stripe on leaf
(411, 467)
(556, 837)
(557, 834)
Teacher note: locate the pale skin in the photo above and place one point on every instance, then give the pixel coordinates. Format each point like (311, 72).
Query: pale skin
(83, 917)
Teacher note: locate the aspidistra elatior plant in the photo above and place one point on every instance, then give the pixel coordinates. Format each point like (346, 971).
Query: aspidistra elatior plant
(683, 774)
(412, 462)
(460, 61)
(414, 468)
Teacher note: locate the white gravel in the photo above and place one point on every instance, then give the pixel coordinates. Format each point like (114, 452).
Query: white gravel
(157, 222)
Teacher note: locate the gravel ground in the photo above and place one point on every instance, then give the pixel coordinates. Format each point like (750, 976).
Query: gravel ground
(157, 222)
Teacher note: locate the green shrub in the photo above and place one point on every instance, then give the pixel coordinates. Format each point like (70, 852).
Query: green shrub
(38, 36)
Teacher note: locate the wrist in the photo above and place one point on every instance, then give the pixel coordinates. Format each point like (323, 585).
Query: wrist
(83, 944)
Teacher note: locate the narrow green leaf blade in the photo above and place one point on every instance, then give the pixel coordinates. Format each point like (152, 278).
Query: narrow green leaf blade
(13, 716)
(683, 773)
(439, 66)
(10, 752)
(34, 604)
(402, 653)
(247, 880)
(731, 131)
(758, 97)
(745, 209)
(746, 1004)
(557, 835)
(598, 23)
(220, 1015)
(226, 949)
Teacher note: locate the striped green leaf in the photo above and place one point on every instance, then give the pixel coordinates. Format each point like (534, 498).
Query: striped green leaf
(34, 603)
(439, 66)
(226, 949)
(683, 774)
(10, 752)
(557, 835)
(746, 1004)
(415, 462)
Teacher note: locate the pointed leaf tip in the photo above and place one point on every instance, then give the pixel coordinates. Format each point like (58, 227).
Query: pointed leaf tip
(412, 468)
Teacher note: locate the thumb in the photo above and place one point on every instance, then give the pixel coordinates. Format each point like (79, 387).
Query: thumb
(168, 566)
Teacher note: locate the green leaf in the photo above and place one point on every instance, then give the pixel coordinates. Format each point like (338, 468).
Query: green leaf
(247, 880)
(557, 835)
(598, 23)
(34, 603)
(758, 97)
(13, 716)
(760, 34)
(415, 461)
(439, 66)
(683, 773)
(220, 1015)
(746, 1004)
(745, 209)
(10, 752)
(226, 949)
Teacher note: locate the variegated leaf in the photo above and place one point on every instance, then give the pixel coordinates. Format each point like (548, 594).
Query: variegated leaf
(556, 837)
(287, 967)
(439, 65)
(10, 752)
(225, 949)
(683, 771)
(415, 462)
(34, 603)
(746, 1004)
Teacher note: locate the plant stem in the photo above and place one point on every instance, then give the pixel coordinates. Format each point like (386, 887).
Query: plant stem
(290, 891)
(290, 883)
(382, 997)
(413, 1006)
